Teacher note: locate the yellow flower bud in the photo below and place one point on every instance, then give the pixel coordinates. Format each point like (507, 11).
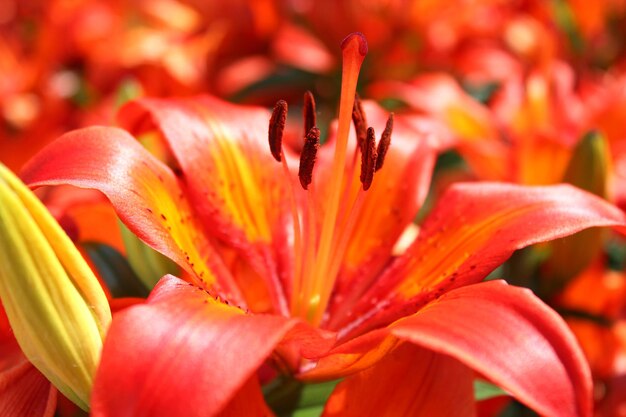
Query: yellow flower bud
(56, 307)
(588, 169)
(590, 164)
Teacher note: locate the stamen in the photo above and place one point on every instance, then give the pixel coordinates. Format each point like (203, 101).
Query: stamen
(297, 235)
(308, 157)
(275, 137)
(385, 140)
(358, 119)
(368, 159)
(309, 112)
(277, 126)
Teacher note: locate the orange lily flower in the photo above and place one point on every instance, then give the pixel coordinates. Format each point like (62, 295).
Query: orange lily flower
(529, 134)
(57, 67)
(310, 278)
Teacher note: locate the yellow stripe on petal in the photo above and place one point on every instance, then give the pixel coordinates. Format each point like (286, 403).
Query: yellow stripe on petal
(56, 307)
(238, 190)
(239, 186)
(222, 150)
(146, 195)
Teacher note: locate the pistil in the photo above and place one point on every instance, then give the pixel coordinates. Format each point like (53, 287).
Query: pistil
(354, 49)
(321, 241)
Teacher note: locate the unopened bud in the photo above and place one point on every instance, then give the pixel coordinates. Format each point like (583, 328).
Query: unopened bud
(55, 305)
(588, 169)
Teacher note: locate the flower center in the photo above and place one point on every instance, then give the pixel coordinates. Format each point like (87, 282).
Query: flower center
(323, 227)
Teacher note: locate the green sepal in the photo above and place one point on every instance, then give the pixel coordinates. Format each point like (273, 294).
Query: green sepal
(148, 264)
(484, 390)
(588, 169)
(291, 398)
(115, 270)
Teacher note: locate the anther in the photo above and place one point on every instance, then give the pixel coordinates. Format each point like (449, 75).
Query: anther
(309, 112)
(383, 145)
(368, 159)
(358, 119)
(308, 157)
(277, 126)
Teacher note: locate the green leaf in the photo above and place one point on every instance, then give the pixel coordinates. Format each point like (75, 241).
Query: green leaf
(483, 390)
(148, 264)
(566, 21)
(615, 249)
(314, 411)
(129, 89)
(115, 271)
(588, 169)
(481, 92)
(291, 398)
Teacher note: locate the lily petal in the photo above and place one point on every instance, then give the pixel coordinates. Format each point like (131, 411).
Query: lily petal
(440, 96)
(473, 229)
(512, 338)
(237, 188)
(221, 147)
(88, 214)
(352, 356)
(24, 391)
(390, 205)
(249, 402)
(191, 354)
(144, 192)
(410, 381)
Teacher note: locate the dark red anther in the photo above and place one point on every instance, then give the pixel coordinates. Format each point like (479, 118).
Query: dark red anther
(308, 157)
(277, 126)
(383, 145)
(368, 159)
(358, 118)
(308, 112)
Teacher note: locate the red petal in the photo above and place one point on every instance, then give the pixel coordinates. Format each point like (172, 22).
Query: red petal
(88, 211)
(220, 147)
(24, 391)
(471, 123)
(181, 354)
(410, 381)
(248, 402)
(352, 356)
(512, 338)
(472, 230)
(298, 48)
(475, 227)
(238, 189)
(144, 192)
